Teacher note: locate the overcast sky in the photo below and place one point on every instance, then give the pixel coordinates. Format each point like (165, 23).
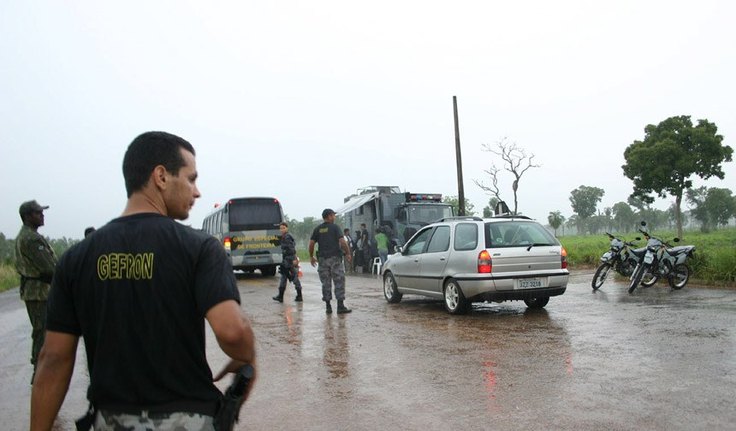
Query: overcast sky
(308, 101)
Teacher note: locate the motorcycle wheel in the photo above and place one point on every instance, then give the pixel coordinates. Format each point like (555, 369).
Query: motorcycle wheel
(649, 279)
(600, 275)
(636, 278)
(679, 277)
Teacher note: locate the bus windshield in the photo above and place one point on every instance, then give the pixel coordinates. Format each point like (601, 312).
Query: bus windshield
(254, 214)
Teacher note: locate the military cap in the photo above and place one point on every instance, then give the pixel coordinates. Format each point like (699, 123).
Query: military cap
(327, 212)
(30, 206)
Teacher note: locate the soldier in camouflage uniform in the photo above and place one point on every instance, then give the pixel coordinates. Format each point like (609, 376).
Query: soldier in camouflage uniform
(34, 261)
(289, 265)
(332, 247)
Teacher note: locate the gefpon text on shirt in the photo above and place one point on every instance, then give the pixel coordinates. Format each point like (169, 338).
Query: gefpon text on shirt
(125, 266)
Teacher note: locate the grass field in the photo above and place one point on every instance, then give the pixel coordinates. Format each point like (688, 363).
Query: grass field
(8, 277)
(714, 262)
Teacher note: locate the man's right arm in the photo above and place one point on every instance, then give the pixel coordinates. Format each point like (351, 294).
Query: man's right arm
(312, 260)
(235, 337)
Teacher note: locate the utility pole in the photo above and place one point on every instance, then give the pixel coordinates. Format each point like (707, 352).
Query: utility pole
(459, 158)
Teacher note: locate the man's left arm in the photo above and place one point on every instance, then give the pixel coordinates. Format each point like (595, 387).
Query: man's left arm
(53, 373)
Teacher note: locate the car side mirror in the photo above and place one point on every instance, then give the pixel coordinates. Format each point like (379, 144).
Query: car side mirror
(399, 249)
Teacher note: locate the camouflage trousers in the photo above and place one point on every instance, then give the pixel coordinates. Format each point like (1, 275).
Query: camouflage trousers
(331, 270)
(179, 421)
(37, 315)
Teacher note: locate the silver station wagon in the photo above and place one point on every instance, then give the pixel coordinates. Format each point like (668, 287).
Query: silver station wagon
(469, 259)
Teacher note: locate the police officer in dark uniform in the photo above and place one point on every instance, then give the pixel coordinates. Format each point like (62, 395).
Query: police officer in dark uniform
(34, 261)
(332, 247)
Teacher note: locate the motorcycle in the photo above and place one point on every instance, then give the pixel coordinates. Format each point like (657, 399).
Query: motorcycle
(662, 260)
(620, 258)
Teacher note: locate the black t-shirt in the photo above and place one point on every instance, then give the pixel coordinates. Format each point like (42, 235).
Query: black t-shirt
(328, 235)
(138, 291)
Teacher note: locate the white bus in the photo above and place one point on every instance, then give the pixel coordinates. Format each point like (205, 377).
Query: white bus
(248, 228)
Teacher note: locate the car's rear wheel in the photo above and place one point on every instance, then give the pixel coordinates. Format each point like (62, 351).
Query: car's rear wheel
(455, 302)
(537, 303)
(390, 290)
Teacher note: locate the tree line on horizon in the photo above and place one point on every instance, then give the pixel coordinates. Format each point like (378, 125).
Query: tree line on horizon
(660, 165)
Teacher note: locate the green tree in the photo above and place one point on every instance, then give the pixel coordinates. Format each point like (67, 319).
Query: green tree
(489, 211)
(584, 201)
(7, 249)
(623, 217)
(720, 205)
(670, 154)
(712, 206)
(455, 204)
(555, 219)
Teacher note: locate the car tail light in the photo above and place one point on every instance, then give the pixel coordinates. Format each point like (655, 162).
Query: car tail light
(227, 243)
(484, 262)
(563, 258)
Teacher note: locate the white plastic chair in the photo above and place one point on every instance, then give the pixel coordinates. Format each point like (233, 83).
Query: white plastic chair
(376, 265)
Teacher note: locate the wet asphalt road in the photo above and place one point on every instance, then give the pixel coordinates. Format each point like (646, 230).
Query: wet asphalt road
(657, 360)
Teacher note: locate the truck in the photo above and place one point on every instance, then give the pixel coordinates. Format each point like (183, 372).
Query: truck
(387, 206)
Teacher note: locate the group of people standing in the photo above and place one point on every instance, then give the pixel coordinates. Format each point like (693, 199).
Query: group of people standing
(364, 249)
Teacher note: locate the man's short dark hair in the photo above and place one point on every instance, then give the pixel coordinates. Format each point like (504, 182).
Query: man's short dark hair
(284, 224)
(149, 150)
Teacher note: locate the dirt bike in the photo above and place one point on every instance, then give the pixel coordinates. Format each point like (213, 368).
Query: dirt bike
(662, 260)
(620, 257)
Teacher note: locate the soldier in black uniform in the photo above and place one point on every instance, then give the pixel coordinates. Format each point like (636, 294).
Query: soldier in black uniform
(332, 247)
(139, 291)
(289, 265)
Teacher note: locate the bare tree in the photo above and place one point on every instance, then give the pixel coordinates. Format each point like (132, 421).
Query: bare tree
(515, 160)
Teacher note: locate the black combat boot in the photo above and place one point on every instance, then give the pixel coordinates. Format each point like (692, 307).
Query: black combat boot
(342, 309)
(298, 296)
(328, 308)
(280, 296)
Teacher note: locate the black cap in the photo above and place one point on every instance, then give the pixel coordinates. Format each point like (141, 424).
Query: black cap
(327, 212)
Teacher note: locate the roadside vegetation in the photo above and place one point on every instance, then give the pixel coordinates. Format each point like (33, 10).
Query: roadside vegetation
(715, 252)
(8, 277)
(714, 263)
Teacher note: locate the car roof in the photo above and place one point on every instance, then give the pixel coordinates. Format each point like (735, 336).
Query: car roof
(487, 219)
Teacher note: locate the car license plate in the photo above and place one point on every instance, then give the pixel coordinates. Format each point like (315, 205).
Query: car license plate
(529, 283)
(648, 258)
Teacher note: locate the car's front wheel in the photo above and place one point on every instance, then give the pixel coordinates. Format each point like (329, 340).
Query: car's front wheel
(455, 302)
(390, 290)
(537, 303)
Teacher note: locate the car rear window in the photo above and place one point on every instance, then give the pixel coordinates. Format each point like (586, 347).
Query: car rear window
(466, 236)
(515, 233)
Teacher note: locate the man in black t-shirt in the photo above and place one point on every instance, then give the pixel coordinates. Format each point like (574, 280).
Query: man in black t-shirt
(138, 291)
(332, 247)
